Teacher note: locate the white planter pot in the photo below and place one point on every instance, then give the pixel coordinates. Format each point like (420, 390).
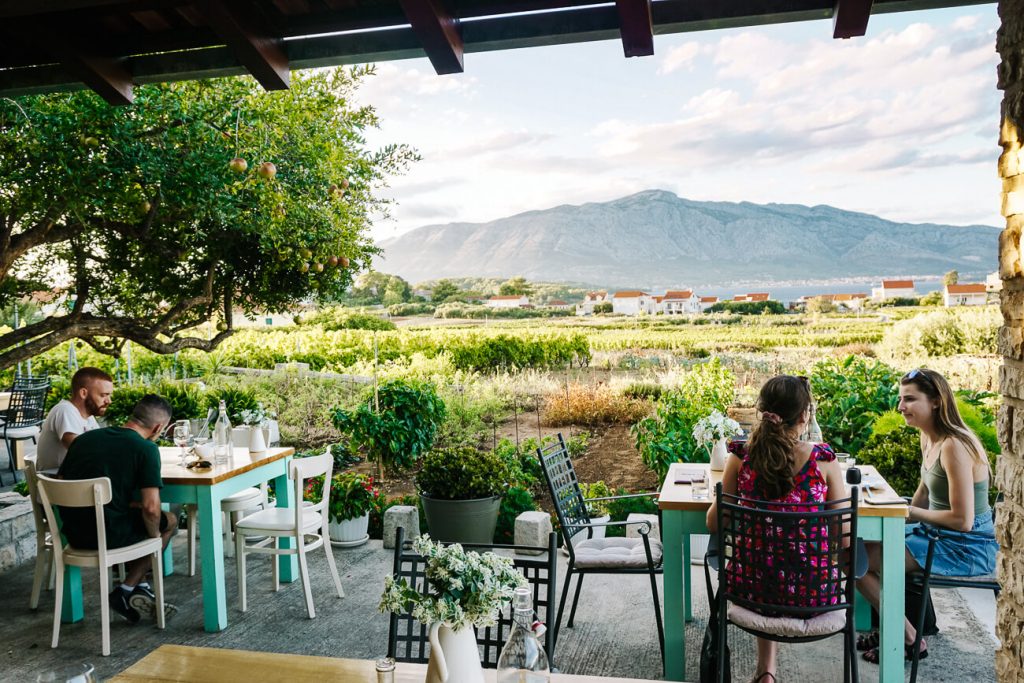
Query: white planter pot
(719, 454)
(349, 533)
(698, 547)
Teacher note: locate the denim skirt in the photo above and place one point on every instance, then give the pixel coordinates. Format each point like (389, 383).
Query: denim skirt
(957, 553)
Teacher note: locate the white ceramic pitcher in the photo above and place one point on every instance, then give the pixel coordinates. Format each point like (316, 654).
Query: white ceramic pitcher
(454, 657)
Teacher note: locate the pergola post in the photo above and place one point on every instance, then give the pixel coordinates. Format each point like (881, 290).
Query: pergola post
(1010, 467)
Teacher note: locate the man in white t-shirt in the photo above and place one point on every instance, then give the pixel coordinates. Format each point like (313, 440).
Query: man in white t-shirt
(91, 389)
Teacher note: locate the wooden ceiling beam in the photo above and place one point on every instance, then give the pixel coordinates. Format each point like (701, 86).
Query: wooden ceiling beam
(637, 27)
(107, 77)
(850, 18)
(260, 53)
(439, 31)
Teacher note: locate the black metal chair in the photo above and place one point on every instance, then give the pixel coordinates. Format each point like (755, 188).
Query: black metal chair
(641, 555)
(22, 418)
(926, 581)
(408, 639)
(786, 575)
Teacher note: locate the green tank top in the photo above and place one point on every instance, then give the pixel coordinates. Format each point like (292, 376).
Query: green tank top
(938, 489)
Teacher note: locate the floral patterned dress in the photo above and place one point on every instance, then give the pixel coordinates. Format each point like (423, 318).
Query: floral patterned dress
(803, 547)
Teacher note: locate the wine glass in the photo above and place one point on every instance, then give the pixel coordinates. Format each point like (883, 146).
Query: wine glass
(181, 436)
(73, 673)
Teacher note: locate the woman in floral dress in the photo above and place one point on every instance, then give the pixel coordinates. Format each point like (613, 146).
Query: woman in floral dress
(776, 466)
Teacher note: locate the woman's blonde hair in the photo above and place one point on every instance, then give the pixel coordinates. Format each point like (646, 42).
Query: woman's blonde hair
(783, 401)
(948, 422)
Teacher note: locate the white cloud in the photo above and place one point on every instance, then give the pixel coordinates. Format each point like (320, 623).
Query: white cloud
(679, 57)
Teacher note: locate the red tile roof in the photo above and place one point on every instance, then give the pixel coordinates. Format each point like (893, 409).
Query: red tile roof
(969, 288)
(709, 299)
(897, 284)
(629, 294)
(678, 294)
(758, 296)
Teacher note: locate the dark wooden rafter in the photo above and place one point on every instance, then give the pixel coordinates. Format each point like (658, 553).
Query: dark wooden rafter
(439, 31)
(850, 18)
(637, 27)
(108, 77)
(259, 52)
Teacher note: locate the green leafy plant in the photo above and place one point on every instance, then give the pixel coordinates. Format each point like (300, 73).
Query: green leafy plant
(895, 450)
(382, 504)
(667, 436)
(462, 473)
(851, 393)
(352, 495)
(516, 500)
(235, 400)
(597, 489)
(404, 426)
(620, 510)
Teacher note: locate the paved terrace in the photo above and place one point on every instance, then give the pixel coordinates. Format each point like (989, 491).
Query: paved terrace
(614, 633)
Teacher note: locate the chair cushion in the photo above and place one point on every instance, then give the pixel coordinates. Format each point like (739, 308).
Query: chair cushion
(22, 432)
(821, 625)
(615, 553)
(277, 519)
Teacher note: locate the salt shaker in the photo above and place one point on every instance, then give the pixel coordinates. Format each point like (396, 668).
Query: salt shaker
(386, 670)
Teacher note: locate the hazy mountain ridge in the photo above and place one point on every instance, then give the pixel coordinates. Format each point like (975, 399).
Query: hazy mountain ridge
(656, 239)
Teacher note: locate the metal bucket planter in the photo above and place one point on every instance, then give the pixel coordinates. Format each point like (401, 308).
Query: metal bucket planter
(462, 521)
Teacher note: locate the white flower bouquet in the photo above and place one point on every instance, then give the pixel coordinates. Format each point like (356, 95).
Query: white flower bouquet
(256, 416)
(715, 426)
(462, 588)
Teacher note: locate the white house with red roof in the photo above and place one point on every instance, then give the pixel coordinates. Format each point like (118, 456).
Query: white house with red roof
(632, 302)
(970, 294)
(707, 302)
(590, 300)
(678, 302)
(509, 301)
(894, 289)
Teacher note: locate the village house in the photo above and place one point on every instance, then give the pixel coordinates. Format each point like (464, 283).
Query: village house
(971, 294)
(894, 289)
(632, 302)
(589, 301)
(707, 302)
(850, 302)
(558, 304)
(752, 297)
(509, 301)
(994, 283)
(678, 302)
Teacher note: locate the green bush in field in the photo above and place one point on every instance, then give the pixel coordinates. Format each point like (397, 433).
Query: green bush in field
(411, 309)
(748, 307)
(851, 393)
(667, 436)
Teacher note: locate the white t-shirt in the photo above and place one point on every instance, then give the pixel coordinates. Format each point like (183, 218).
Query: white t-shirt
(63, 418)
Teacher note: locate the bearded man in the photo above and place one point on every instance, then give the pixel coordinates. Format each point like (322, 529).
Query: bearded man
(91, 389)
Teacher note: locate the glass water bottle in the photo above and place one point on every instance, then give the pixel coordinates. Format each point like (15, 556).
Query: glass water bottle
(813, 430)
(523, 659)
(222, 437)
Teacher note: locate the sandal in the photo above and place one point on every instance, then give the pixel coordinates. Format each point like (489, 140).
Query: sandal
(868, 641)
(908, 653)
(762, 679)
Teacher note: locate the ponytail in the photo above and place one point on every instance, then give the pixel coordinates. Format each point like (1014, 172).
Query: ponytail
(782, 402)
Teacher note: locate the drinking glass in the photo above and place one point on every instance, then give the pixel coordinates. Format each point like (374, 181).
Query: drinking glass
(181, 436)
(699, 490)
(844, 460)
(73, 673)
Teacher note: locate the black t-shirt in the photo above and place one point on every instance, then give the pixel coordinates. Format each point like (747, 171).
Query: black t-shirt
(132, 463)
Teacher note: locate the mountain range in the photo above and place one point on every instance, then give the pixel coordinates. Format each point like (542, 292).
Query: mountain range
(656, 239)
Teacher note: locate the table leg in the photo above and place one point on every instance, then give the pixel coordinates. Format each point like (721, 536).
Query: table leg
(675, 585)
(71, 605)
(211, 551)
(168, 555)
(891, 611)
(861, 612)
(287, 564)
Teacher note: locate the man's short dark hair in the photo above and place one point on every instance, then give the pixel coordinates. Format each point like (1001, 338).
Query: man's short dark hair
(152, 410)
(85, 376)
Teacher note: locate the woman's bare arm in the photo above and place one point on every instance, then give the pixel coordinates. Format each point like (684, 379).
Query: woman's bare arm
(959, 467)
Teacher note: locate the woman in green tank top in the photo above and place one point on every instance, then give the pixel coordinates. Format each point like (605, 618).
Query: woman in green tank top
(952, 496)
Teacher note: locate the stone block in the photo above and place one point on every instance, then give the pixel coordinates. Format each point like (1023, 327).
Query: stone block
(1009, 252)
(1011, 304)
(1013, 203)
(24, 524)
(406, 516)
(8, 558)
(1011, 162)
(25, 549)
(633, 531)
(532, 528)
(1010, 342)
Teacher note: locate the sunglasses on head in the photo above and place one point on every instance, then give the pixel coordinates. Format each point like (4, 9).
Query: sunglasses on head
(918, 373)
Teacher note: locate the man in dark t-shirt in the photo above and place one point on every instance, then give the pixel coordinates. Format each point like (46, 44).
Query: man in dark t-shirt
(128, 456)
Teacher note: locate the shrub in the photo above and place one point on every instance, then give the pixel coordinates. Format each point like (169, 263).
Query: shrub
(850, 394)
(748, 307)
(517, 499)
(895, 450)
(621, 509)
(603, 307)
(403, 428)
(411, 309)
(643, 390)
(341, 318)
(591, 405)
(236, 400)
(667, 436)
(382, 504)
(462, 473)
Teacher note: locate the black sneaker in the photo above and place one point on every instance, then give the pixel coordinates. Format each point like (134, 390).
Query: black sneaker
(119, 602)
(143, 599)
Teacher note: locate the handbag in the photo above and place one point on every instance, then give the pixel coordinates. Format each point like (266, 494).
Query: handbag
(709, 648)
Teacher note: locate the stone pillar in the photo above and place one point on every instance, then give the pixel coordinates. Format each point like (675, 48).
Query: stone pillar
(1010, 467)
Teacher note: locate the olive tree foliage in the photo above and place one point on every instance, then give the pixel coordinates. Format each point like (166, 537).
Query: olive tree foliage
(138, 218)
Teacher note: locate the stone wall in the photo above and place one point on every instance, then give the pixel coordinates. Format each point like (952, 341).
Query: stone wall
(17, 531)
(1010, 468)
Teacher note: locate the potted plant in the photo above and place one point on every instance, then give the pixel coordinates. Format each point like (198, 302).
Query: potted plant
(461, 589)
(255, 422)
(461, 489)
(353, 496)
(711, 432)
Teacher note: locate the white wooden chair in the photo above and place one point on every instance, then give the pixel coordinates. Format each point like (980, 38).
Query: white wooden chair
(297, 522)
(94, 493)
(233, 506)
(44, 546)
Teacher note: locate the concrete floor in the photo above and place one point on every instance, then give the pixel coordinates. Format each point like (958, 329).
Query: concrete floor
(614, 632)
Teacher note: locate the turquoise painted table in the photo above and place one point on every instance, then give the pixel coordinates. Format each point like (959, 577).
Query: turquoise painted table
(683, 516)
(206, 490)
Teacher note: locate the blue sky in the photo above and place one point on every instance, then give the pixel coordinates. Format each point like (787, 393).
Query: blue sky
(902, 123)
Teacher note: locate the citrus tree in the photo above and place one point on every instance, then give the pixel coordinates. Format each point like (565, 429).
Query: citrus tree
(200, 198)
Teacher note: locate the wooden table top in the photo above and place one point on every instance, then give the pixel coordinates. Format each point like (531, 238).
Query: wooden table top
(242, 461)
(675, 496)
(180, 663)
